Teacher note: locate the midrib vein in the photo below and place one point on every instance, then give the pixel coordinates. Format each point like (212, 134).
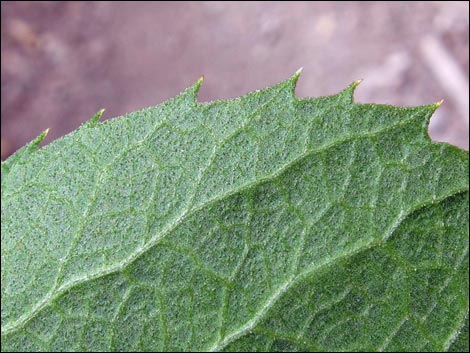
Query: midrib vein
(22, 320)
(292, 280)
(368, 245)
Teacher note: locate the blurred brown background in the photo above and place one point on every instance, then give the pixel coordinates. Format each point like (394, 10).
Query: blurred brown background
(63, 61)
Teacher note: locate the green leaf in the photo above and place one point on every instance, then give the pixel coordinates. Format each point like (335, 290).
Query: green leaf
(265, 222)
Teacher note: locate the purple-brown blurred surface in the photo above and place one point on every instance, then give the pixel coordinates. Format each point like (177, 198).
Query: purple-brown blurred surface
(63, 61)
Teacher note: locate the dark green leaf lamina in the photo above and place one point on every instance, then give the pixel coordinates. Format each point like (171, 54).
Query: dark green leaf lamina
(265, 223)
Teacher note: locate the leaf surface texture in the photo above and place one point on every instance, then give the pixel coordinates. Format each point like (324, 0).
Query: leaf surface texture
(266, 223)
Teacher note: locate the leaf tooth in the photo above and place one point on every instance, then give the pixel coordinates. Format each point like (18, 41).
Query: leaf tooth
(438, 104)
(348, 92)
(95, 119)
(428, 111)
(291, 82)
(33, 146)
(197, 86)
(192, 91)
(297, 74)
(22, 154)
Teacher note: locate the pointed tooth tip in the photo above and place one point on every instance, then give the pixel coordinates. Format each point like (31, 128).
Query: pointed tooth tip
(357, 82)
(297, 74)
(43, 134)
(194, 89)
(35, 143)
(438, 104)
(98, 116)
(93, 121)
(198, 84)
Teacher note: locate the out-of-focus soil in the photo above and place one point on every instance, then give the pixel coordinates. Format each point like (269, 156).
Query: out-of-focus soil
(63, 61)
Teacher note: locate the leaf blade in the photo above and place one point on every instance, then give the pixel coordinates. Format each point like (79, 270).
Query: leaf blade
(232, 208)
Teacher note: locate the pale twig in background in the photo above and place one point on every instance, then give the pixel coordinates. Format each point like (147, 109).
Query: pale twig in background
(63, 61)
(449, 74)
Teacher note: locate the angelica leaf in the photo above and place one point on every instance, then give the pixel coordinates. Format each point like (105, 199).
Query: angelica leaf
(263, 223)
